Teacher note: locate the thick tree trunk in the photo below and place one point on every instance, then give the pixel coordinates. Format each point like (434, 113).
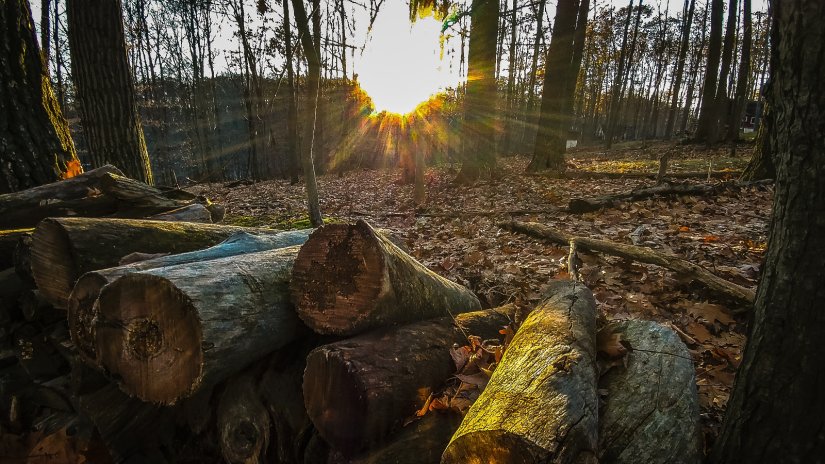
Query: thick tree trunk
(651, 411)
(707, 113)
(105, 90)
(359, 391)
(350, 278)
(761, 165)
(167, 333)
(722, 98)
(776, 412)
(64, 249)
(82, 307)
(541, 404)
(36, 145)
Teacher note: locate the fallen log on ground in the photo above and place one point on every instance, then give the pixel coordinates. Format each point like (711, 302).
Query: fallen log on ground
(652, 175)
(65, 248)
(651, 412)
(243, 421)
(82, 310)
(722, 287)
(167, 332)
(195, 212)
(27, 207)
(358, 391)
(541, 403)
(586, 205)
(350, 278)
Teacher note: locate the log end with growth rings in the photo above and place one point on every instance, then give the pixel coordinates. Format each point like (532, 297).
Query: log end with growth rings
(149, 336)
(82, 311)
(53, 263)
(339, 275)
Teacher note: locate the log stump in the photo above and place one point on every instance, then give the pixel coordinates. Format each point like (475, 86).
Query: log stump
(541, 403)
(350, 278)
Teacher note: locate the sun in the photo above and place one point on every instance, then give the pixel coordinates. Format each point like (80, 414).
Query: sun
(401, 66)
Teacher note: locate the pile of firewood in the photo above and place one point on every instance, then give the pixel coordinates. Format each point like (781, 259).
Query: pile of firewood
(188, 342)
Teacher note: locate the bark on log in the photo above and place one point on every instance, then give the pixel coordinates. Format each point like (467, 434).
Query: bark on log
(82, 307)
(350, 278)
(651, 413)
(140, 196)
(722, 287)
(243, 422)
(195, 212)
(65, 248)
(8, 243)
(170, 331)
(586, 205)
(27, 207)
(540, 404)
(360, 390)
(23, 259)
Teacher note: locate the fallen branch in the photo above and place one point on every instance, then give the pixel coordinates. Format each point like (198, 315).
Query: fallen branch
(451, 214)
(652, 175)
(681, 266)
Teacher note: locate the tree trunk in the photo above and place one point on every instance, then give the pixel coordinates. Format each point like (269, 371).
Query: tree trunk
(105, 91)
(722, 98)
(742, 78)
(707, 113)
(617, 82)
(63, 249)
(761, 164)
(293, 154)
(776, 411)
(350, 278)
(36, 147)
(541, 403)
(651, 410)
(509, 115)
(680, 69)
(82, 307)
(166, 333)
(479, 131)
(360, 390)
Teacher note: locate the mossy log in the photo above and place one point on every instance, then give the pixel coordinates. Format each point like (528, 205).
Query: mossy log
(350, 278)
(65, 248)
(360, 390)
(82, 308)
(195, 212)
(243, 421)
(541, 403)
(651, 412)
(78, 195)
(168, 332)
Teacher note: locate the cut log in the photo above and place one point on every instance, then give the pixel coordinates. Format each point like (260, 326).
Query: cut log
(586, 205)
(23, 259)
(651, 412)
(8, 242)
(541, 403)
(140, 196)
(350, 278)
(195, 212)
(243, 422)
(741, 295)
(11, 287)
(35, 308)
(360, 390)
(82, 309)
(167, 332)
(65, 248)
(27, 207)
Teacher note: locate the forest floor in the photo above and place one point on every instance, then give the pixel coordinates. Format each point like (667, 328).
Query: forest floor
(726, 233)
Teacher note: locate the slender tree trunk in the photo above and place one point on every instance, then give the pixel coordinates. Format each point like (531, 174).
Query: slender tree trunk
(35, 145)
(707, 113)
(776, 412)
(697, 58)
(617, 82)
(509, 115)
(293, 156)
(44, 32)
(722, 100)
(680, 69)
(104, 87)
(742, 78)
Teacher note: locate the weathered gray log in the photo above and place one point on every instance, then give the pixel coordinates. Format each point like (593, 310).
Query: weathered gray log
(541, 403)
(743, 296)
(195, 212)
(79, 195)
(651, 412)
(358, 391)
(167, 332)
(350, 278)
(243, 421)
(8, 242)
(65, 248)
(81, 306)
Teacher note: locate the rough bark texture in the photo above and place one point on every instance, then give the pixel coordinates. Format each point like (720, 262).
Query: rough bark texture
(104, 86)
(63, 249)
(8, 243)
(195, 212)
(82, 307)
(359, 391)
(243, 422)
(722, 287)
(541, 403)
(707, 114)
(35, 144)
(166, 333)
(350, 278)
(687, 23)
(761, 164)
(651, 411)
(776, 412)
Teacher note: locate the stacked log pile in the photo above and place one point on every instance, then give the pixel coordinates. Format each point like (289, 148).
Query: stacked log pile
(172, 341)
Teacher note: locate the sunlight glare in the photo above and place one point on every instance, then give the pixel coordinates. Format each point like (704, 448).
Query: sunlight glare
(401, 66)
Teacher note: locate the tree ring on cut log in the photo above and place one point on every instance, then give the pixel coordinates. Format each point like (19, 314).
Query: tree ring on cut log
(149, 335)
(52, 261)
(340, 268)
(82, 312)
